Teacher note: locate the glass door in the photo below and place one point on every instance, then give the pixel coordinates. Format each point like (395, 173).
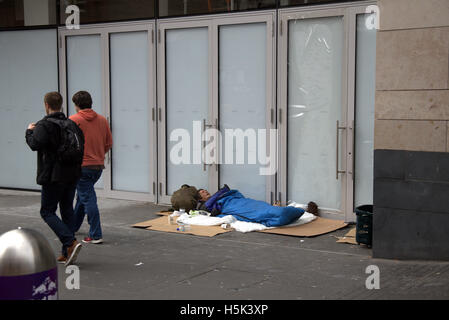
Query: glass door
(84, 69)
(313, 110)
(216, 79)
(28, 59)
(184, 61)
(326, 94)
(244, 104)
(116, 65)
(132, 111)
(361, 93)
(364, 111)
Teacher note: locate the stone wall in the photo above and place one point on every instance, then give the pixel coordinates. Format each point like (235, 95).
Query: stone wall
(411, 157)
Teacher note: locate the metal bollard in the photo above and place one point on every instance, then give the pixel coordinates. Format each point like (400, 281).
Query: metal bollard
(28, 269)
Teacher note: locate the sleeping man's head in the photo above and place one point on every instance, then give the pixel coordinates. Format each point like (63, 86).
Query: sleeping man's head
(204, 194)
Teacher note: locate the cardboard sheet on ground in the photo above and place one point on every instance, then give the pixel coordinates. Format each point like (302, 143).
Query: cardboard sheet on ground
(161, 224)
(348, 237)
(317, 227)
(164, 213)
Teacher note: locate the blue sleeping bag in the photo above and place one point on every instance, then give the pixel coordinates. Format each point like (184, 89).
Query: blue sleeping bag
(234, 203)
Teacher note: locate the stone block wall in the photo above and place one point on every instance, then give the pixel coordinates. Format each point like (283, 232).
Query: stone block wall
(411, 157)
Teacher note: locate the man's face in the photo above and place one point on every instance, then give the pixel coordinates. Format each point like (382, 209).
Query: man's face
(204, 194)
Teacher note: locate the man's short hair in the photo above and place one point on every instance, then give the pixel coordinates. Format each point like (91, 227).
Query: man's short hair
(82, 99)
(54, 100)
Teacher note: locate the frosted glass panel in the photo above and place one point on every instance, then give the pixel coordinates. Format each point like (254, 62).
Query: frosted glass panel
(84, 72)
(187, 87)
(28, 70)
(130, 111)
(364, 112)
(242, 102)
(314, 106)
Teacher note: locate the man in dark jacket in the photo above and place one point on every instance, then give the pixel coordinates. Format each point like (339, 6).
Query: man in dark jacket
(58, 179)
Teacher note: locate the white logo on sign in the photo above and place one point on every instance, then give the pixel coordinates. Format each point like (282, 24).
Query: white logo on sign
(73, 281)
(206, 147)
(373, 281)
(72, 21)
(372, 21)
(45, 287)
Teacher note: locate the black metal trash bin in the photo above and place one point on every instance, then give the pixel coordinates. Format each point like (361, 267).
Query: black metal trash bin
(364, 226)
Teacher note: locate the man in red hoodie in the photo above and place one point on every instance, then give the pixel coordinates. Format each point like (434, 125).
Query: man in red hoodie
(98, 141)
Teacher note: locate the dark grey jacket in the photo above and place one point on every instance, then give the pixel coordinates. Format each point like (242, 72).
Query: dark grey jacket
(45, 139)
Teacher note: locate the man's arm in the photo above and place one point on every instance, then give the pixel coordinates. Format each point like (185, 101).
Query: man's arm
(36, 136)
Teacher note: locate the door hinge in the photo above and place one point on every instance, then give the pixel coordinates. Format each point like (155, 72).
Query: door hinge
(152, 36)
(160, 188)
(159, 36)
(280, 28)
(60, 42)
(154, 187)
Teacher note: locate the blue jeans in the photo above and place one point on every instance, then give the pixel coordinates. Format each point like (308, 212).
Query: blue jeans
(86, 203)
(51, 195)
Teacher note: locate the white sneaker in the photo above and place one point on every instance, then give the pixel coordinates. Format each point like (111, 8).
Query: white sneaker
(94, 241)
(72, 252)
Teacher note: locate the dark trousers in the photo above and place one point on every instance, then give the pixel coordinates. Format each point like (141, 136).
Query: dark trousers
(51, 196)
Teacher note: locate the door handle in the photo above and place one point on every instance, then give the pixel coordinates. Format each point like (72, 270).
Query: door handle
(203, 129)
(353, 150)
(338, 149)
(217, 146)
(206, 125)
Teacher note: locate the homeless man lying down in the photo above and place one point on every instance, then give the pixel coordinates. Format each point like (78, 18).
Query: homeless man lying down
(231, 202)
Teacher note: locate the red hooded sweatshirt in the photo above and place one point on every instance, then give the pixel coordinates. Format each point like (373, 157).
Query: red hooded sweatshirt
(97, 136)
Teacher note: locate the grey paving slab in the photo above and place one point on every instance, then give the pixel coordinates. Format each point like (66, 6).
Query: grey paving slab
(141, 264)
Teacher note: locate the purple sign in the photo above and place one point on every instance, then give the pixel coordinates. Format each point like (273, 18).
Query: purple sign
(36, 286)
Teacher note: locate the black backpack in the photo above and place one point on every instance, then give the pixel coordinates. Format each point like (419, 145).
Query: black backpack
(71, 147)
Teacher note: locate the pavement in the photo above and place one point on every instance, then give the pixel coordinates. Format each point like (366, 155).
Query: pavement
(140, 264)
